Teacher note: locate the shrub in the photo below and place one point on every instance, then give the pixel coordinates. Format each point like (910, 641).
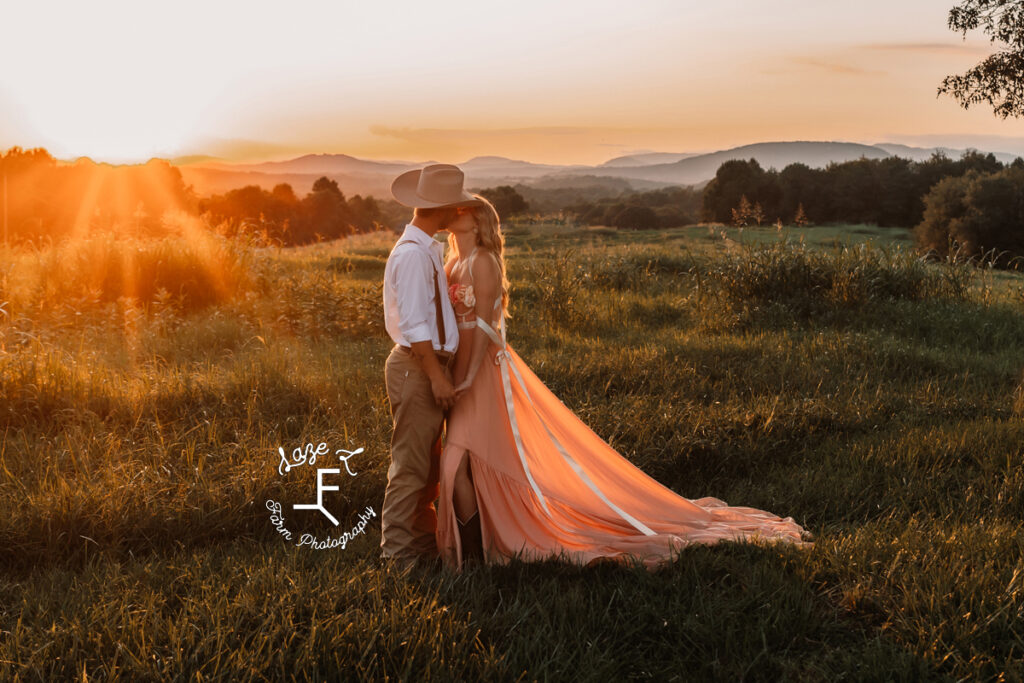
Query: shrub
(636, 218)
(808, 281)
(972, 214)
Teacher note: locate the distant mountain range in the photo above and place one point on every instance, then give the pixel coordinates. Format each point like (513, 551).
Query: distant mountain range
(641, 171)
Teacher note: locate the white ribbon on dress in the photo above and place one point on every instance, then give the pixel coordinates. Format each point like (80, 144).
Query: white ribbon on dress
(502, 358)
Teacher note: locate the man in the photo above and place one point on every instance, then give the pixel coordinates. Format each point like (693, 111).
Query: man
(420, 319)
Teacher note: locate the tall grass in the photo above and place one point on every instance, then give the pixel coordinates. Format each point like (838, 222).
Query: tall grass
(874, 397)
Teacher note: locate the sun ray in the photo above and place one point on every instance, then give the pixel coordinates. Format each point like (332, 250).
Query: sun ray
(191, 229)
(20, 185)
(80, 227)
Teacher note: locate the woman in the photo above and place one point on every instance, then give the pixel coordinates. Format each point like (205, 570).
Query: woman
(523, 471)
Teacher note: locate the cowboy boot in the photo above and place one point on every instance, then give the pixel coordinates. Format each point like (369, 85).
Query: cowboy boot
(471, 538)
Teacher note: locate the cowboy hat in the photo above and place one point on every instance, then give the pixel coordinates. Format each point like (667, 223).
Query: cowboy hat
(432, 186)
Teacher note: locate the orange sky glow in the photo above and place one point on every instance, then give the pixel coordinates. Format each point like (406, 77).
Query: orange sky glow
(567, 82)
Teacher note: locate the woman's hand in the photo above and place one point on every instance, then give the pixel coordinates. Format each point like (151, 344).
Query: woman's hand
(463, 386)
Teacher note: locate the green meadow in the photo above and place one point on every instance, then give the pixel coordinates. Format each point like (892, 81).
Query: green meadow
(823, 373)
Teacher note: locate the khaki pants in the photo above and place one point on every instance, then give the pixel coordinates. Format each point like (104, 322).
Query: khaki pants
(408, 517)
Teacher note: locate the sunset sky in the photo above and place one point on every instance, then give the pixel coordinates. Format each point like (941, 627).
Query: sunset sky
(556, 82)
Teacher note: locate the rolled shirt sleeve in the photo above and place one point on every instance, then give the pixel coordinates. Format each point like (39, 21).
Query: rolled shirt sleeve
(412, 270)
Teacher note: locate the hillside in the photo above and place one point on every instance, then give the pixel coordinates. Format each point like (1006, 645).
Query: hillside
(641, 171)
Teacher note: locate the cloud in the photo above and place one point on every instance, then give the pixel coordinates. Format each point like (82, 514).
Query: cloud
(240, 149)
(890, 51)
(926, 48)
(542, 144)
(835, 67)
(462, 134)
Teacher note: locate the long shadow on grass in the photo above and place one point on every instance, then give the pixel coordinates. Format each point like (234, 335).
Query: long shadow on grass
(734, 611)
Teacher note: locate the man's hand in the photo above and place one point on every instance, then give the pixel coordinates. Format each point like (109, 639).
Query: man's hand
(440, 385)
(444, 392)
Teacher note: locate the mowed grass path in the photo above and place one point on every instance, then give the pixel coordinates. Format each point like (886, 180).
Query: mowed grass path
(876, 400)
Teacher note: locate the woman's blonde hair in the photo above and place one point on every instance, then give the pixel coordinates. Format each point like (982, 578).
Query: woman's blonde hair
(489, 238)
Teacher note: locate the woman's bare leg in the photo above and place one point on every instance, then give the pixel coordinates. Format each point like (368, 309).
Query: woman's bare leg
(464, 495)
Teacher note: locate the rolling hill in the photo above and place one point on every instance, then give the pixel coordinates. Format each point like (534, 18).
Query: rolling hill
(641, 171)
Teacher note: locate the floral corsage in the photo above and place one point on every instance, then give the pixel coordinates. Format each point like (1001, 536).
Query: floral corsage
(462, 293)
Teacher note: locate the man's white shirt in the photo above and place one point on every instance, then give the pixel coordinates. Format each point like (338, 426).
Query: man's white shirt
(410, 314)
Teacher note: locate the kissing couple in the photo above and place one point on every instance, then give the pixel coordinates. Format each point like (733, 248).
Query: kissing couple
(516, 474)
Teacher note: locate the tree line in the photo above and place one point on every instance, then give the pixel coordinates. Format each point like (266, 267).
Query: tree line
(885, 192)
(971, 204)
(281, 217)
(49, 200)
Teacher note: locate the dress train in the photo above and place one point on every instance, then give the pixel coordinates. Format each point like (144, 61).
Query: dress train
(547, 486)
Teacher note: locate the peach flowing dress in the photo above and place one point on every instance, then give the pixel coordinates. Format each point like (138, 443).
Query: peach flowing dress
(547, 486)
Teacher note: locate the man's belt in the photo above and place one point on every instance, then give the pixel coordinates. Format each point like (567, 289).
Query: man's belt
(445, 358)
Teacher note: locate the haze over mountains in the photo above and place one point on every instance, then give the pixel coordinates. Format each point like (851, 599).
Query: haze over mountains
(639, 171)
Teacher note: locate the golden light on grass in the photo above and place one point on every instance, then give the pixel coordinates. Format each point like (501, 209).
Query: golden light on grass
(196, 234)
(115, 240)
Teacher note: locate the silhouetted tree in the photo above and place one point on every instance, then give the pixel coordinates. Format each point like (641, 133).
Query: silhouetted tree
(976, 212)
(507, 201)
(799, 183)
(283, 192)
(325, 184)
(854, 190)
(326, 212)
(734, 179)
(366, 215)
(999, 78)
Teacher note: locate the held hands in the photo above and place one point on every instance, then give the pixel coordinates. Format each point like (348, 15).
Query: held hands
(445, 395)
(444, 392)
(463, 386)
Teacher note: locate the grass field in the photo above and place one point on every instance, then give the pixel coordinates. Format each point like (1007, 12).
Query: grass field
(876, 399)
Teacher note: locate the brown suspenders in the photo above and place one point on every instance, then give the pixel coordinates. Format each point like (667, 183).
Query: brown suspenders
(437, 300)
